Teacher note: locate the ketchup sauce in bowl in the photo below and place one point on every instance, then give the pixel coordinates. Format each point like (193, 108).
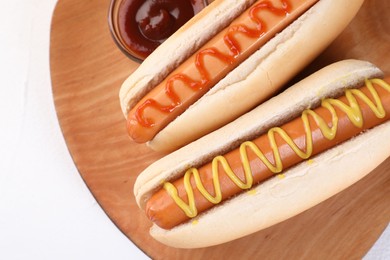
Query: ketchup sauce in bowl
(138, 27)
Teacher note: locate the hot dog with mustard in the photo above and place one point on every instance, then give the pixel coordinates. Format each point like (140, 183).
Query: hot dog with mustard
(285, 156)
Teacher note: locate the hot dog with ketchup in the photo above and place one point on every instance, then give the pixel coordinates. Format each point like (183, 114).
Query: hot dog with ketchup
(288, 154)
(219, 58)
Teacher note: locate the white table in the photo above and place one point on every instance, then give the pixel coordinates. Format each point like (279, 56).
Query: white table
(46, 210)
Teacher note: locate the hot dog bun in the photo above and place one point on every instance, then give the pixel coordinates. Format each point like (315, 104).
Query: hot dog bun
(276, 199)
(272, 65)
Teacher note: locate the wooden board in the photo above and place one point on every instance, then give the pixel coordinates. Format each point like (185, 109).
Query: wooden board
(87, 70)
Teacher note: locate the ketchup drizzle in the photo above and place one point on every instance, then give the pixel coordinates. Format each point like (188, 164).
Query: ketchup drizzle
(233, 46)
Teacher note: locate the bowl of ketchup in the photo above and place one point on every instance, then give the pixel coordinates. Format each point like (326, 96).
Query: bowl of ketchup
(138, 27)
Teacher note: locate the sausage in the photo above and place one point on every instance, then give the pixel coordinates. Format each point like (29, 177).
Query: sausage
(164, 211)
(210, 64)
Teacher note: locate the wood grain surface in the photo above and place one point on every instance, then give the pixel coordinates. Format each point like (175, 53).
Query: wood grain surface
(87, 70)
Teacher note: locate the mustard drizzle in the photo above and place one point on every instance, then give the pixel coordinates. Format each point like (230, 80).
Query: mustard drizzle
(353, 112)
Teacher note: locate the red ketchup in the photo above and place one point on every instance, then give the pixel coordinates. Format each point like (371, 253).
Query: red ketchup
(144, 24)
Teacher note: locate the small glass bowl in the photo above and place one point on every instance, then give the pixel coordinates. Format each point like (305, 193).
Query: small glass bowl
(115, 33)
(114, 29)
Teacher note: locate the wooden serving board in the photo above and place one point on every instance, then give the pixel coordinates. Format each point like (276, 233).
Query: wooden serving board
(87, 71)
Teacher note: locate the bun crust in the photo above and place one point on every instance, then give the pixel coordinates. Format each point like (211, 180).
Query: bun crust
(261, 75)
(276, 199)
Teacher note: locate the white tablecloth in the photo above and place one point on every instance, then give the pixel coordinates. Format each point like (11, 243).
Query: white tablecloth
(46, 210)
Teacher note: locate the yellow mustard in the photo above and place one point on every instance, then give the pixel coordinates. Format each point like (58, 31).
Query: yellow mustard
(353, 112)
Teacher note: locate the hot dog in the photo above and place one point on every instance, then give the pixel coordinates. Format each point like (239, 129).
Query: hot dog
(219, 58)
(288, 154)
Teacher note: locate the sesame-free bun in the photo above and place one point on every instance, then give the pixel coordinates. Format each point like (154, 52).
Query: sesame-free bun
(275, 200)
(252, 82)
